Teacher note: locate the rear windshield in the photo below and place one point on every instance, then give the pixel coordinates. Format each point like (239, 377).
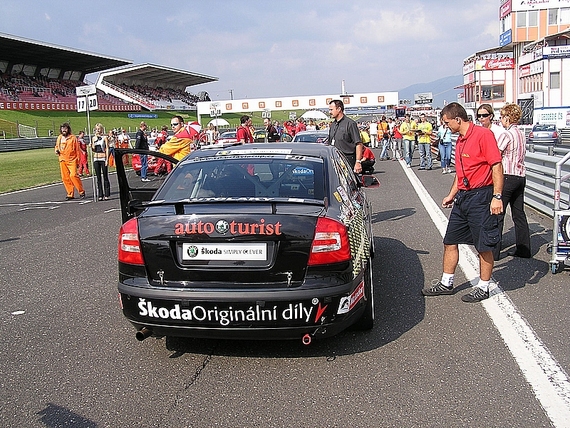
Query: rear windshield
(311, 138)
(246, 177)
(544, 128)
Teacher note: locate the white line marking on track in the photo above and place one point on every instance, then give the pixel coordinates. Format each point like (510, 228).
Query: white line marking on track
(547, 378)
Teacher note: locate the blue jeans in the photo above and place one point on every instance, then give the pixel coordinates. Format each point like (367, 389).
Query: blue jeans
(408, 150)
(425, 155)
(385, 144)
(445, 153)
(144, 165)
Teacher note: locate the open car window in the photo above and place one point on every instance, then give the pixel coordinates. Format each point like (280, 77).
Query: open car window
(246, 177)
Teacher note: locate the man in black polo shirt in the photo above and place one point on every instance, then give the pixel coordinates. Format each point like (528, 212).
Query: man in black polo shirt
(344, 134)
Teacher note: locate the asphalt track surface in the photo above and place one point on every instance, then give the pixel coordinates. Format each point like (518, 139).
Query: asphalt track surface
(69, 358)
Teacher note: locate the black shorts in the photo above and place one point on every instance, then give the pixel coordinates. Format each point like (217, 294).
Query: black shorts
(471, 221)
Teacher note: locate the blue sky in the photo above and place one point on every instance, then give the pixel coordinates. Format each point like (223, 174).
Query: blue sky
(271, 48)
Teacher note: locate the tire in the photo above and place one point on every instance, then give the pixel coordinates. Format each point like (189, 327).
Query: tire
(366, 321)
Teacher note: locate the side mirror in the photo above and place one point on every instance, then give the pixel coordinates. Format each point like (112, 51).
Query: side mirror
(369, 181)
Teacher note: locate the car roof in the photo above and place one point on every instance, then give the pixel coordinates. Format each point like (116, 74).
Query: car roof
(545, 125)
(308, 149)
(317, 131)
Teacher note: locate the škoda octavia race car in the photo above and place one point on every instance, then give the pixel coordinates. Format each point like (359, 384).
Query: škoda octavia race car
(260, 241)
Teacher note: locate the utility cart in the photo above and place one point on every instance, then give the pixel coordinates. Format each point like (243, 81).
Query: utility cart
(560, 246)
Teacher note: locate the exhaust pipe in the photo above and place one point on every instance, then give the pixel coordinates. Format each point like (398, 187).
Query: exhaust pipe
(143, 333)
(307, 339)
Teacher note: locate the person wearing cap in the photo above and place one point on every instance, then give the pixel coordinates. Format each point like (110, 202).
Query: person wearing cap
(68, 153)
(141, 142)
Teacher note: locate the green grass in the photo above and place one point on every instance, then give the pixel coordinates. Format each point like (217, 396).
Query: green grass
(28, 168)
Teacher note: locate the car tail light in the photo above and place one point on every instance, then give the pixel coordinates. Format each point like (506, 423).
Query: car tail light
(555, 135)
(531, 135)
(129, 243)
(330, 244)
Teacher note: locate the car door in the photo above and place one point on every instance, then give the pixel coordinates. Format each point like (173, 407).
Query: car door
(135, 193)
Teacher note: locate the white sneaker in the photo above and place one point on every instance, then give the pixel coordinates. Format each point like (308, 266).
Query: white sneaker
(145, 179)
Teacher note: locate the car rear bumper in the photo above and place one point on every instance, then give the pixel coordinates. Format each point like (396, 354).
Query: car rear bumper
(544, 141)
(265, 315)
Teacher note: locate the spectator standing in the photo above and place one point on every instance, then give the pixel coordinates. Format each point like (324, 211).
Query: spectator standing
(384, 133)
(111, 141)
(396, 142)
(83, 158)
(211, 134)
(424, 143)
(161, 137)
(300, 127)
(100, 149)
(289, 128)
(124, 140)
(68, 153)
(407, 129)
(243, 133)
(141, 142)
(311, 126)
(344, 134)
(485, 116)
(364, 136)
(476, 200)
(374, 134)
(271, 131)
(278, 127)
(512, 146)
(445, 146)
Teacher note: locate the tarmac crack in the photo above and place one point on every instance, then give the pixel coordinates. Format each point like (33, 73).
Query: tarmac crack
(179, 397)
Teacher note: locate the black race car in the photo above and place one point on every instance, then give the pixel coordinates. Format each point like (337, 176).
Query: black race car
(261, 241)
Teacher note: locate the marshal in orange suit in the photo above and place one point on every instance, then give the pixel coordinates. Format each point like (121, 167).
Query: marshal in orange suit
(67, 150)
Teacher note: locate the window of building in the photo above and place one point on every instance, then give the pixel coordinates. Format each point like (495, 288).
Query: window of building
(555, 80)
(533, 18)
(521, 19)
(565, 15)
(552, 16)
(493, 92)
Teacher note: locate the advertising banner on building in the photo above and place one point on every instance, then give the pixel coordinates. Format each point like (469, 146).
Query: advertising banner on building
(522, 5)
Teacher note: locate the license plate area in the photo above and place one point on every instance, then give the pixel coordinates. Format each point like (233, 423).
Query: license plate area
(250, 254)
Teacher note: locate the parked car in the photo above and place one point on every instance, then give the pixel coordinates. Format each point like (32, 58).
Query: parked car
(265, 241)
(544, 134)
(227, 137)
(312, 137)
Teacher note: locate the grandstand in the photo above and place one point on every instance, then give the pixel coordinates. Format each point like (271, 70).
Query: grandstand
(39, 76)
(154, 87)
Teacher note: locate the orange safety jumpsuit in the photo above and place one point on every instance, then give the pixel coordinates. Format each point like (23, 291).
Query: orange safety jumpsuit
(68, 149)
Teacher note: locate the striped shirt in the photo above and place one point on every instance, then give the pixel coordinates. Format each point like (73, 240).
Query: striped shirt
(513, 148)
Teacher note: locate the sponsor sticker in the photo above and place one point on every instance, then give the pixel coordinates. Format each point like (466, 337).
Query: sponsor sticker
(232, 315)
(347, 303)
(245, 251)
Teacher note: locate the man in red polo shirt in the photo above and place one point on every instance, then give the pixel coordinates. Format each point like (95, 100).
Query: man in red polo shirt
(476, 200)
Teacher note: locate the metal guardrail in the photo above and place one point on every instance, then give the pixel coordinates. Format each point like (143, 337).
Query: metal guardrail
(16, 144)
(540, 165)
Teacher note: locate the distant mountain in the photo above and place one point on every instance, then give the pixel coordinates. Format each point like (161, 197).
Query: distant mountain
(441, 89)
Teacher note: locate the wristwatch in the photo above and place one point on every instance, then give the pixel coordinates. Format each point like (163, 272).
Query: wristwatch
(498, 196)
(359, 160)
